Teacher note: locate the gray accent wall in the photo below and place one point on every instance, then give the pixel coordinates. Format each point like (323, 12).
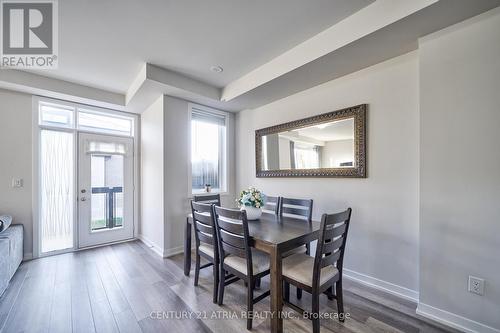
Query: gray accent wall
(383, 240)
(460, 169)
(16, 161)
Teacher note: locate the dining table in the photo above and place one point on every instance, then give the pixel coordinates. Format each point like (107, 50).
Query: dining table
(274, 235)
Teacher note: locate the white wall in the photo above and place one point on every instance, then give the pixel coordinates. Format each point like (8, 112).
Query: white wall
(460, 165)
(336, 152)
(176, 170)
(152, 177)
(177, 129)
(383, 240)
(15, 161)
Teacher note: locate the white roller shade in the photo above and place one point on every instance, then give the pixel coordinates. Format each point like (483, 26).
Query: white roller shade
(208, 117)
(112, 148)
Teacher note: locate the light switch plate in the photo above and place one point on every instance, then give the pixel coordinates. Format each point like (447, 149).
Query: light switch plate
(17, 182)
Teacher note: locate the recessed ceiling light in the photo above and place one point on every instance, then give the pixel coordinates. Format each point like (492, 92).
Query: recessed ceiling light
(217, 69)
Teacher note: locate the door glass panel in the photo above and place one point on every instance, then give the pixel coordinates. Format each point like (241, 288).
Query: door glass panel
(107, 191)
(105, 123)
(57, 190)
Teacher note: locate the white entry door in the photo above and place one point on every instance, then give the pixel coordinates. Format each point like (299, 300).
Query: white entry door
(106, 189)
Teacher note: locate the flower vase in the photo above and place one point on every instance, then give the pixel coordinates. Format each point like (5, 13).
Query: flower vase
(253, 213)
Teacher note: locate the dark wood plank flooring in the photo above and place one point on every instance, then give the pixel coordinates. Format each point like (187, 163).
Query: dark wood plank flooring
(128, 288)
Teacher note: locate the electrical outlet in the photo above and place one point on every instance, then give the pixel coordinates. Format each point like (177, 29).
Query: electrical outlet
(17, 182)
(476, 285)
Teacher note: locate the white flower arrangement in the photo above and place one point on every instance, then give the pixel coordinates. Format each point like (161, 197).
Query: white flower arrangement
(251, 197)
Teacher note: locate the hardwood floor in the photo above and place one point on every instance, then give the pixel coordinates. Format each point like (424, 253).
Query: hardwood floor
(128, 288)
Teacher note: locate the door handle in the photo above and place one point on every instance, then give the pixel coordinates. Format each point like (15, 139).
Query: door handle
(83, 199)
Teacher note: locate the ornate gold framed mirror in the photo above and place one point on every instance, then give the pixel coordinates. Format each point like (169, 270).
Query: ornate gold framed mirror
(332, 144)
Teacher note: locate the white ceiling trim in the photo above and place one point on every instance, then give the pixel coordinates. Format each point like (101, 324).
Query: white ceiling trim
(35, 84)
(374, 17)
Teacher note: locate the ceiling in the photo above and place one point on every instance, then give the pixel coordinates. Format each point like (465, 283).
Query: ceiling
(103, 44)
(334, 131)
(124, 54)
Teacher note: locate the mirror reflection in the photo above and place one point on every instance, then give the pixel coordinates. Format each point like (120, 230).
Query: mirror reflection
(324, 145)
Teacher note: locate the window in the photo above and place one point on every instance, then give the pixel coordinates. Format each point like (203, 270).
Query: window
(208, 150)
(307, 156)
(63, 115)
(89, 120)
(56, 190)
(56, 115)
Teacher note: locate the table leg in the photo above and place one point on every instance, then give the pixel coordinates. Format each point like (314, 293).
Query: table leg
(187, 248)
(276, 291)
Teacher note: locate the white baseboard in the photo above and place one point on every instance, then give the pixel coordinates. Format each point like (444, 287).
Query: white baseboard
(385, 286)
(173, 251)
(27, 256)
(453, 320)
(156, 249)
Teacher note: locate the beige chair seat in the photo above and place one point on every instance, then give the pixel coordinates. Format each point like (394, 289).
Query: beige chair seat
(207, 249)
(299, 267)
(298, 250)
(260, 262)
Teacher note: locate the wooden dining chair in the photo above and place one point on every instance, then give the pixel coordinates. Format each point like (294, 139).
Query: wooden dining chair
(206, 242)
(236, 256)
(272, 205)
(319, 274)
(301, 209)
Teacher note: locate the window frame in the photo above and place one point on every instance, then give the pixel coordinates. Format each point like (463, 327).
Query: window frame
(76, 108)
(75, 130)
(223, 149)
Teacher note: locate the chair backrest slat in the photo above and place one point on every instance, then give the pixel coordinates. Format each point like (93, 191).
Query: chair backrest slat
(232, 239)
(206, 238)
(333, 246)
(231, 225)
(336, 231)
(230, 249)
(272, 204)
(210, 199)
(330, 259)
(301, 208)
(202, 227)
(331, 243)
(205, 218)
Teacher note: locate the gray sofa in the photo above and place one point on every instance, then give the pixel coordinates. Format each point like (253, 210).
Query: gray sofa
(11, 253)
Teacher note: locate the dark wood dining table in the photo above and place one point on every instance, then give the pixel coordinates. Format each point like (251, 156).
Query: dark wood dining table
(273, 235)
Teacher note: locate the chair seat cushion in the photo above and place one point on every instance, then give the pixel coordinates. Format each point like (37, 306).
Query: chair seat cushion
(207, 249)
(297, 250)
(299, 267)
(260, 262)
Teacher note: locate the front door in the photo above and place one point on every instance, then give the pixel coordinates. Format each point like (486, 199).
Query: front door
(106, 189)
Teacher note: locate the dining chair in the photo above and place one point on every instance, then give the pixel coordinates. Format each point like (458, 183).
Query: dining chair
(301, 209)
(319, 274)
(272, 205)
(206, 242)
(236, 256)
